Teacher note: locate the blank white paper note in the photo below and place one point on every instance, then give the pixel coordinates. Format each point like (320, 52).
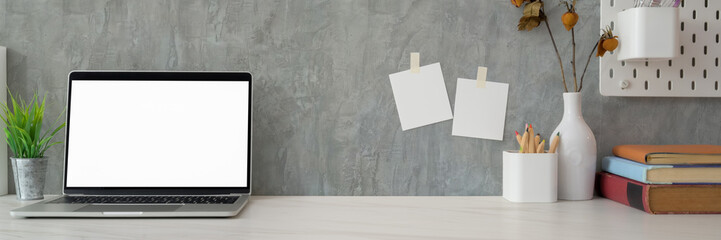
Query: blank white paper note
(421, 98)
(480, 112)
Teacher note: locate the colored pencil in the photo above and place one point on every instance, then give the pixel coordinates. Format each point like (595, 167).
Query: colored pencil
(554, 144)
(524, 142)
(532, 147)
(539, 149)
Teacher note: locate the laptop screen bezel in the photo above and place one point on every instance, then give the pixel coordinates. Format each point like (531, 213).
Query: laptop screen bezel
(157, 76)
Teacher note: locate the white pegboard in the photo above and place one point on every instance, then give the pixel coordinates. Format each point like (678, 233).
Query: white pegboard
(695, 73)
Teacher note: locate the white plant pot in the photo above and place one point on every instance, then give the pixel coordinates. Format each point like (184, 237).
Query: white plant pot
(576, 152)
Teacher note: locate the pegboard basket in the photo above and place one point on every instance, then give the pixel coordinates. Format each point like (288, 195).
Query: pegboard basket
(648, 33)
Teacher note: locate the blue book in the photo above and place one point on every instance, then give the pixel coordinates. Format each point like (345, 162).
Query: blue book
(663, 174)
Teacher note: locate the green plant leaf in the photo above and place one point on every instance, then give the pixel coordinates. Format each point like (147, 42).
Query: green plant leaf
(48, 147)
(24, 126)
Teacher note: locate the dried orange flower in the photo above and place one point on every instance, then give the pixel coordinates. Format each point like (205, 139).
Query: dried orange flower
(570, 18)
(517, 3)
(608, 42)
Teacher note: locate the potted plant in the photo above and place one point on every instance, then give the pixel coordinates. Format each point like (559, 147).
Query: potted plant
(28, 143)
(577, 148)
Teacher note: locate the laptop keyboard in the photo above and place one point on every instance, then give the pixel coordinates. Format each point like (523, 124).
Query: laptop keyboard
(147, 199)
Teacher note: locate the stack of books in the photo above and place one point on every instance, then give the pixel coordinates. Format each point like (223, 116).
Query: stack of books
(664, 179)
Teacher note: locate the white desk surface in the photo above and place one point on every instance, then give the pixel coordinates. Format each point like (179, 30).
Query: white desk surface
(316, 217)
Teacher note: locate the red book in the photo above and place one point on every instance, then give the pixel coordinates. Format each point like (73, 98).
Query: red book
(660, 198)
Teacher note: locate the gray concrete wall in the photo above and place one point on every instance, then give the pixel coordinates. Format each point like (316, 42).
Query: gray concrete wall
(325, 119)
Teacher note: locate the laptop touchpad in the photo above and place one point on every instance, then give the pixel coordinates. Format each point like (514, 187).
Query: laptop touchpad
(128, 208)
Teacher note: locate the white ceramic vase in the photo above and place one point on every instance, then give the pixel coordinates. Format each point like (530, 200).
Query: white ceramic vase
(576, 152)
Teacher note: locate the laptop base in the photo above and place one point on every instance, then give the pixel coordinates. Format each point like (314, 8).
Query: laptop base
(48, 209)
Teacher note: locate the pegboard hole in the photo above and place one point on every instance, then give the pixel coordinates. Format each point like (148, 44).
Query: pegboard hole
(717, 62)
(634, 73)
(645, 85)
(717, 38)
(693, 38)
(669, 85)
(705, 50)
(623, 63)
(716, 86)
(682, 24)
(610, 72)
(693, 85)
(683, 3)
(693, 62)
(670, 63)
(681, 73)
(717, 14)
(694, 14)
(646, 63)
(612, 25)
(704, 74)
(612, 2)
(705, 3)
(658, 73)
(705, 26)
(681, 49)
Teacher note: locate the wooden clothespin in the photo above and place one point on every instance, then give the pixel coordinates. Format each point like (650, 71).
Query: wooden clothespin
(415, 62)
(481, 77)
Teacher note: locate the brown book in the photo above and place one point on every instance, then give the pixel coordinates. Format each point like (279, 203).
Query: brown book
(670, 154)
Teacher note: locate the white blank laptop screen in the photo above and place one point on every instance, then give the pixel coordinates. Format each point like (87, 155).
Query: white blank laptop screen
(158, 134)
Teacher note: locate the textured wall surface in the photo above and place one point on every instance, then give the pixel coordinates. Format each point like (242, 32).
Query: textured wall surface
(325, 119)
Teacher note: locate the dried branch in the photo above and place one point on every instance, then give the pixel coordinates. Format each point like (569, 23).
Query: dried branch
(560, 62)
(587, 62)
(573, 61)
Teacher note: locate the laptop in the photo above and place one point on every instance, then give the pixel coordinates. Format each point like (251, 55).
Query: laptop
(154, 144)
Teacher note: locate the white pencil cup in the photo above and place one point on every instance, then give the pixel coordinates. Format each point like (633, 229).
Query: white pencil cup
(648, 33)
(530, 177)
